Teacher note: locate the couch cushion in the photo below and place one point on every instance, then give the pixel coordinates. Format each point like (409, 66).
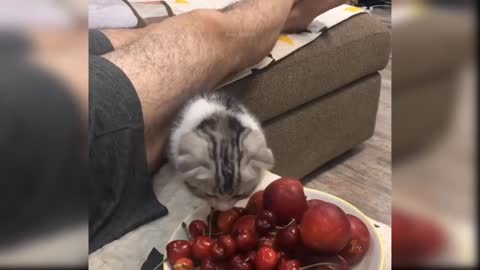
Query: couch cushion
(345, 53)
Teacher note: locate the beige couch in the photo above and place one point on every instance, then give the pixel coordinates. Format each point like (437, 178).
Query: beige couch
(322, 100)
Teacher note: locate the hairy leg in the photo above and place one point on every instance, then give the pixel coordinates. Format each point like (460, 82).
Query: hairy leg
(193, 52)
(304, 11)
(123, 37)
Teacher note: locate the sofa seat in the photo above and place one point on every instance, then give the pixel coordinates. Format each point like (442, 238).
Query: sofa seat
(345, 53)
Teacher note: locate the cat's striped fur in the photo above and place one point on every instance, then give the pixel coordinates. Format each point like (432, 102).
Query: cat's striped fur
(219, 149)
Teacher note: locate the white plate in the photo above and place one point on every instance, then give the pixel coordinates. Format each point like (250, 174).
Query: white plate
(374, 259)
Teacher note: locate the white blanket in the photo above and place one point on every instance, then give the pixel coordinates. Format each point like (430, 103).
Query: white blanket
(110, 14)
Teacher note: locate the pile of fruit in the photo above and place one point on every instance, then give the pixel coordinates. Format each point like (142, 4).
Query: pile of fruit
(278, 229)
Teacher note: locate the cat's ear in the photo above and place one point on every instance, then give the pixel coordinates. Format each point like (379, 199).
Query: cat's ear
(257, 151)
(190, 158)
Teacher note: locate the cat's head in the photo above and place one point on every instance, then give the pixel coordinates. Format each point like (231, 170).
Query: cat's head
(222, 160)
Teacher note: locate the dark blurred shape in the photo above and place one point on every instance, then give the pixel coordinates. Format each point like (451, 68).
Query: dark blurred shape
(42, 160)
(433, 160)
(43, 142)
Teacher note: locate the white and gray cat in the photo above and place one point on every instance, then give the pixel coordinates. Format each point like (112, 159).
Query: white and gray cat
(219, 149)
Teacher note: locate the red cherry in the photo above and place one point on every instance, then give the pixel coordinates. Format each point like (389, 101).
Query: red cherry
(230, 246)
(251, 255)
(255, 203)
(240, 210)
(265, 222)
(268, 241)
(246, 222)
(212, 264)
(197, 228)
(239, 263)
(219, 251)
(325, 228)
(289, 265)
(288, 238)
(359, 243)
(202, 247)
(245, 240)
(266, 259)
(214, 216)
(226, 220)
(183, 264)
(178, 249)
(285, 197)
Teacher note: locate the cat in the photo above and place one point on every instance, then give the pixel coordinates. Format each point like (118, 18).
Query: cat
(219, 149)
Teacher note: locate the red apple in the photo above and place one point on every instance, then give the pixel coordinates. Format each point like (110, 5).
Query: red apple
(285, 197)
(315, 202)
(325, 228)
(266, 259)
(359, 243)
(178, 249)
(255, 203)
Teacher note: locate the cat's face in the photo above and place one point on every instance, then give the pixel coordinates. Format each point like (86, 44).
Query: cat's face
(223, 164)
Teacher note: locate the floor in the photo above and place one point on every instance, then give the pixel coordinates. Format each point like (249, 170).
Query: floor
(362, 176)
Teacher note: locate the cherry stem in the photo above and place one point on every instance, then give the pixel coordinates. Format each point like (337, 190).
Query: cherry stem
(184, 226)
(163, 261)
(328, 264)
(290, 223)
(210, 221)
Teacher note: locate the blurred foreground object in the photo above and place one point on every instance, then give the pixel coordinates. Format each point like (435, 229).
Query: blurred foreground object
(43, 142)
(433, 134)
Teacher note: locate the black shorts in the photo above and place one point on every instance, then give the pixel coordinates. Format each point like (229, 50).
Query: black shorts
(120, 189)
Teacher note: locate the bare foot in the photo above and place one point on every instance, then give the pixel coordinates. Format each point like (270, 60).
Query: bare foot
(304, 11)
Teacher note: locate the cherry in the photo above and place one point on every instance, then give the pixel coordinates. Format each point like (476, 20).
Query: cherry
(197, 228)
(183, 264)
(178, 249)
(359, 243)
(268, 241)
(240, 210)
(219, 251)
(213, 216)
(212, 264)
(266, 221)
(246, 222)
(202, 247)
(255, 203)
(266, 259)
(239, 263)
(229, 243)
(251, 255)
(245, 240)
(288, 238)
(226, 220)
(289, 265)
